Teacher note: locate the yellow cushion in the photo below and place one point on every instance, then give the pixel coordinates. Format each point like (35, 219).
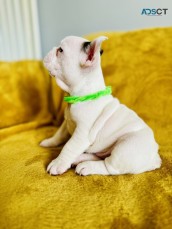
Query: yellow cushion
(24, 96)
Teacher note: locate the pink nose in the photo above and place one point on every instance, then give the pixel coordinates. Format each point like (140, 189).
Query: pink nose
(48, 58)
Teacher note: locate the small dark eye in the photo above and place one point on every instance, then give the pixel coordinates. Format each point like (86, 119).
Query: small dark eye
(60, 49)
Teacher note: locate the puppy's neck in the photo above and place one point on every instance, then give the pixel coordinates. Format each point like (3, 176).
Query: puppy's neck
(91, 82)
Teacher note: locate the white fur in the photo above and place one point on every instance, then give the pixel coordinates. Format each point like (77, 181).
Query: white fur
(106, 137)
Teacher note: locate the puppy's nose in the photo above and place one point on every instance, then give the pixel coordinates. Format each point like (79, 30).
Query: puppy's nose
(47, 58)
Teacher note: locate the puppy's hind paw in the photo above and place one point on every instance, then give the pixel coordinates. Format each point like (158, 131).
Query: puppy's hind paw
(91, 167)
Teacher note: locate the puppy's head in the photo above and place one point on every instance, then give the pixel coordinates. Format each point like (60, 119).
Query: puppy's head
(73, 60)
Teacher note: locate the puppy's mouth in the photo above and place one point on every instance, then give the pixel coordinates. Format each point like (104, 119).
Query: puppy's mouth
(51, 74)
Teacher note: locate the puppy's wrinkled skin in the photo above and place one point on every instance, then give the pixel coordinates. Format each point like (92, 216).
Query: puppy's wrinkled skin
(106, 137)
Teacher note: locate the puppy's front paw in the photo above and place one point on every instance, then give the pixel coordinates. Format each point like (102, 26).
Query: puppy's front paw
(57, 167)
(49, 142)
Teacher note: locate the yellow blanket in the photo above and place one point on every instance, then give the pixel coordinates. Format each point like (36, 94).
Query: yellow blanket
(138, 65)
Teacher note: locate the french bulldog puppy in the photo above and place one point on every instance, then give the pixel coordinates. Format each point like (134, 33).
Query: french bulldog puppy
(106, 136)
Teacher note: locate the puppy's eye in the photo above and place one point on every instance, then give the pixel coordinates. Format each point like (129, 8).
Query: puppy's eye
(59, 50)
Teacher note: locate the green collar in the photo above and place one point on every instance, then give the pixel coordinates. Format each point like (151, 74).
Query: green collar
(77, 99)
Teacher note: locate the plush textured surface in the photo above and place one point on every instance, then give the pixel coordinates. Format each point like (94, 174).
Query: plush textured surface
(138, 66)
(24, 96)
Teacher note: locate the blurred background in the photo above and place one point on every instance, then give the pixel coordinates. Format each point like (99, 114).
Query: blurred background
(30, 28)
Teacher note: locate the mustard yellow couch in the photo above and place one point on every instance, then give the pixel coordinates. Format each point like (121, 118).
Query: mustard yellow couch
(138, 65)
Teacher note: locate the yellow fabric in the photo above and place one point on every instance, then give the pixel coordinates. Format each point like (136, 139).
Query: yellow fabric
(24, 96)
(138, 66)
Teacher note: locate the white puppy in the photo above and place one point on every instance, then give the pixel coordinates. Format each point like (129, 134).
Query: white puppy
(106, 137)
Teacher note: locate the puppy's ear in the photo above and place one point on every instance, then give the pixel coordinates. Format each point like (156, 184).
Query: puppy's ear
(92, 50)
